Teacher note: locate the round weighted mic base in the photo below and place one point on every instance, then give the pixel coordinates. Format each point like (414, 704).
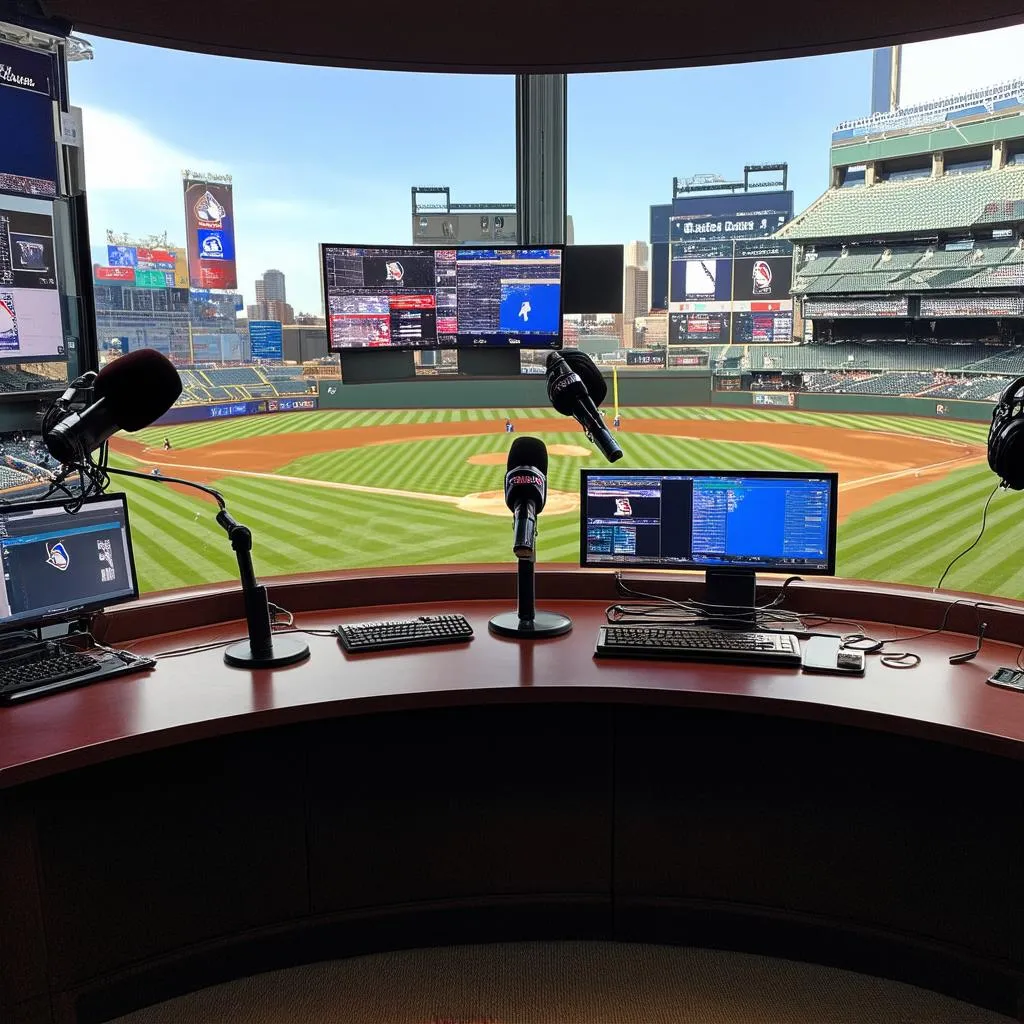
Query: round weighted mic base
(285, 650)
(543, 624)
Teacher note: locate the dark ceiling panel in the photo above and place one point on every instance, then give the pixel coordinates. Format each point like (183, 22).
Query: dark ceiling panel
(526, 35)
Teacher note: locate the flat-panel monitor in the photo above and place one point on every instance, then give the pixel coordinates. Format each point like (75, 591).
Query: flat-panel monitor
(58, 565)
(31, 321)
(28, 90)
(410, 297)
(709, 519)
(593, 278)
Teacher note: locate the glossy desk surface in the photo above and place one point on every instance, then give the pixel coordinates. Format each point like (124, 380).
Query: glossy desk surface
(195, 696)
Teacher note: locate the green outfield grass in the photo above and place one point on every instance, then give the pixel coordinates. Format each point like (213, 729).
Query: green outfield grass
(192, 435)
(908, 537)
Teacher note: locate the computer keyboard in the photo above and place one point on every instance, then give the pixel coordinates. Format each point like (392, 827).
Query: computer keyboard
(365, 637)
(49, 667)
(684, 643)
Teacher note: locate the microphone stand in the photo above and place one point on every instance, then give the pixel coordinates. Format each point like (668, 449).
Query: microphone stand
(264, 648)
(526, 623)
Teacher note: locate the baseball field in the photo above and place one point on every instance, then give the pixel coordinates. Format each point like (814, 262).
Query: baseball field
(329, 490)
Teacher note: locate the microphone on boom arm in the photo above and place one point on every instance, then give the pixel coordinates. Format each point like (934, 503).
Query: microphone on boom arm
(129, 394)
(576, 388)
(526, 491)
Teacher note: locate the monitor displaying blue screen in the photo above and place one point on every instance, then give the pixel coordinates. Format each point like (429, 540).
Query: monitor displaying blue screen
(28, 155)
(678, 519)
(408, 297)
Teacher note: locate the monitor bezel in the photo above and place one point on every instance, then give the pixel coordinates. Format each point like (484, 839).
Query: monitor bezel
(554, 346)
(761, 474)
(89, 608)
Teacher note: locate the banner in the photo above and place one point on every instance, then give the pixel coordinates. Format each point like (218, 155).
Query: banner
(126, 275)
(210, 231)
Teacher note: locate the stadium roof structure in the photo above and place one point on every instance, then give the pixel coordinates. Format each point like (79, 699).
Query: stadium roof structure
(925, 206)
(875, 270)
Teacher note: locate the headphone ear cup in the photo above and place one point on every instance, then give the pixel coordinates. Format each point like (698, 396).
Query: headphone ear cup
(1006, 438)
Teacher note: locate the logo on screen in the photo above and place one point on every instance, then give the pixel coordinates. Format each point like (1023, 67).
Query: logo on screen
(208, 211)
(623, 507)
(212, 246)
(395, 271)
(58, 556)
(762, 275)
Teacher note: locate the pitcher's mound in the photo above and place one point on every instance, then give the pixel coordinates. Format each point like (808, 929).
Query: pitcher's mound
(492, 503)
(500, 458)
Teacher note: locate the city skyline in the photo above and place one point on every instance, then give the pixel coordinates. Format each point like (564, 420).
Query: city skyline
(352, 184)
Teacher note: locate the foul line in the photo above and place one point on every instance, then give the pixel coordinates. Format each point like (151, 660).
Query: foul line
(333, 485)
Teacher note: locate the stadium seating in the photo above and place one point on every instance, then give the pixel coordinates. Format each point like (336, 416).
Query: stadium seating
(261, 390)
(235, 375)
(15, 379)
(294, 387)
(977, 389)
(1009, 361)
(932, 204)
(276, 373)
(892, 384)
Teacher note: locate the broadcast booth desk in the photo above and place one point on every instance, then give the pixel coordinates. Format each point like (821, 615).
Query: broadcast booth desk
(166, 831)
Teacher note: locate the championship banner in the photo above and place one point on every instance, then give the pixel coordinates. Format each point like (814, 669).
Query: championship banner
(210, 231)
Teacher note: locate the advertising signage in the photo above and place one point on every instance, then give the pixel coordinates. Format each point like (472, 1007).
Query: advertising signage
(125, 275)
(210, 230)
(746, 215)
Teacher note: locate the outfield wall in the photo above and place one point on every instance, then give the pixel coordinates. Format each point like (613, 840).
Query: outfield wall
(232, 410)
(886, 405)
(509, 392)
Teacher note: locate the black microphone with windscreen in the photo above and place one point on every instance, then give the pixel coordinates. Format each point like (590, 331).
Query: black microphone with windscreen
(575, 388)
(526, 491)
(130, 393)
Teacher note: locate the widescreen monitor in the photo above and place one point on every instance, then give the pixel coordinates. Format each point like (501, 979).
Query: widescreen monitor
(58, 566)
(414, 297)
(28, 91)
(709, 519)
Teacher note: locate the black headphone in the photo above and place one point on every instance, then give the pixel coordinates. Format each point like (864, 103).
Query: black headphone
(1006, 437)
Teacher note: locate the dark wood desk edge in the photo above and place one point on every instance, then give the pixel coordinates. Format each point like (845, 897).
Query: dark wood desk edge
(76, 758)
(898, 604)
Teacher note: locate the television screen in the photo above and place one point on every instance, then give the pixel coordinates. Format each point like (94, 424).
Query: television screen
(407, 297)
(28, 156)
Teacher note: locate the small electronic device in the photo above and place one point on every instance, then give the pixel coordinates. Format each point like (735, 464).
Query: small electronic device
(730, 524)
(683, 643)
(367, 637)
(59, 567)
(825, 654)
(414, 297)
(1008, 678)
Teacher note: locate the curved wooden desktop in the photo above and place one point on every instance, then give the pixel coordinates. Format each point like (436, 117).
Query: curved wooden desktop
(170, 830)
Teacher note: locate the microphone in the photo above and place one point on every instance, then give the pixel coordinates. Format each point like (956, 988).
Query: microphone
(526, 491)
(129, 394)
(572, 387)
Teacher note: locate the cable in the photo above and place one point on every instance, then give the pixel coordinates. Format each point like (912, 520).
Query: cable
(970, 547)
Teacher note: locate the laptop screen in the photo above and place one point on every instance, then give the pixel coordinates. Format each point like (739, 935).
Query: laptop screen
(57, 565)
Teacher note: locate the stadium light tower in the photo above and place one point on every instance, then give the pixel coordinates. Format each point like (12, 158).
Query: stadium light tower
(886, 66)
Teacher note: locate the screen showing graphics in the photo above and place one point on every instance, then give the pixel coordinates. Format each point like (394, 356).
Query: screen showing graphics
(56, 565)
(422, 297)
(762, 327)
(764, 270)
(30, 311)
(28, 155)
(668, 519)
(703, 328)
(700, 272)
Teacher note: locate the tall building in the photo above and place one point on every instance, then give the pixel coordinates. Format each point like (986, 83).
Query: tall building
(280, 311)
(273, 286)
(634, 300)
(635, 254)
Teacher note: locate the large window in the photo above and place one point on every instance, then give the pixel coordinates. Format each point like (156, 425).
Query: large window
(805, 288)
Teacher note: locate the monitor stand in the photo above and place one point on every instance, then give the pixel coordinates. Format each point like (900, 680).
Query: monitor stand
(736, 588)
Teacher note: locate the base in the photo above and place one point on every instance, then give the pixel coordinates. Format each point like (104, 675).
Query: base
(287, 650)
(543, 624)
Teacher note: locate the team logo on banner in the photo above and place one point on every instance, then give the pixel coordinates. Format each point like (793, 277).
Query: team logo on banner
(762, 276)
(208, 211)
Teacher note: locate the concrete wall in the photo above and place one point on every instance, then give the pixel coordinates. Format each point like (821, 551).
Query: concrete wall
(979, 412)
(515, 392)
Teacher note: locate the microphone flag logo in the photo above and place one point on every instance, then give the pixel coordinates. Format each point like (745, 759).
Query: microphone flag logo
(58, 556)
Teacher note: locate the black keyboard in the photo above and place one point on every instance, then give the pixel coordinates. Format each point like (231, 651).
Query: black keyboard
(49, 667)
(364, 637)
(683, 643)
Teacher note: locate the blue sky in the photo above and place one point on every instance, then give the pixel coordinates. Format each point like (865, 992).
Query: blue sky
(328, 154)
